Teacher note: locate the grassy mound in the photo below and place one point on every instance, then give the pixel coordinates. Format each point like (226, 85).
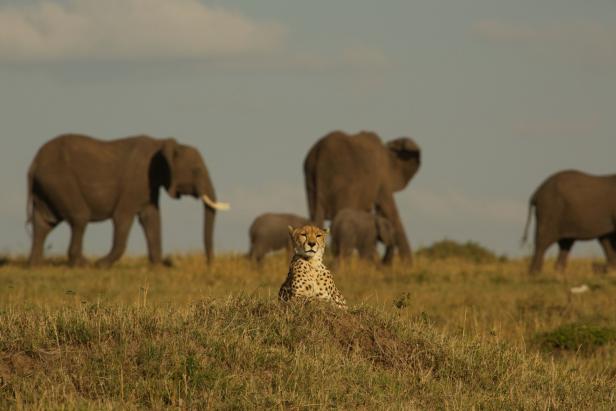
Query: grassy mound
(470, 251)
(252, 353)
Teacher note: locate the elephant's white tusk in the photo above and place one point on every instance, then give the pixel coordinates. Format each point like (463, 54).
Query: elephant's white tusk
(215, 205)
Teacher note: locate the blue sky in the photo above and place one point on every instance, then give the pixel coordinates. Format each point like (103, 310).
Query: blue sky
(498, 94)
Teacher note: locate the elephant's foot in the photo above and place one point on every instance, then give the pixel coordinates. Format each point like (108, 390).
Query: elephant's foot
(535, 269)
(77, 261)
(387, 262)
(35, 261)
(165, 262)
(600, 268)
(104, 262)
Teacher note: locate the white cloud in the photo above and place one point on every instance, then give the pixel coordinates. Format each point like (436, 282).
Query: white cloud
(587, 41)
(357, 59)
(51, 30)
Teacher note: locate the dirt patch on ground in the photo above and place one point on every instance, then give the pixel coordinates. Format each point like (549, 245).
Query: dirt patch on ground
(375, 342)
(18, 364)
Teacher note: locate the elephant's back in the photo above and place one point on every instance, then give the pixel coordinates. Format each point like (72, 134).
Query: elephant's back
(338, 141)
(275, 225)
(86, 152)
(346, 159)
(572, 184)
(581, 202)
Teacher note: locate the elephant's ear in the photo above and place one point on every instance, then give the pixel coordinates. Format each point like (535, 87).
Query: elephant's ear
(405, 148)
(405, 157)
(384, 230)
(169, 151)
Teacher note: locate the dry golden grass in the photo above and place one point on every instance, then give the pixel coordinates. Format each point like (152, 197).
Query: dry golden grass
(444, 334)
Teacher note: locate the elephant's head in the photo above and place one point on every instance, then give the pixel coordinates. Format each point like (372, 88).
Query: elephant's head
(188, 175)
(404, 161)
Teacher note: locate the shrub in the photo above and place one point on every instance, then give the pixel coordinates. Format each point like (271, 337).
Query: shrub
(469, 250)
(576, 337)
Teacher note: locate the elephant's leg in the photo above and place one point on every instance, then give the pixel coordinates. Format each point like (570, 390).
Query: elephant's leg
(541, 247)
(342, 252)
(121, 229)
(40, 230)
(257, 249)
(564, 246)
(258, 252)
(367, 252)
(319, 215)
(149, 219)
(345, 251)
(289, 250)
(75, 254)
(611, 261)
(389, 255)
(388, 209)
(608, 243)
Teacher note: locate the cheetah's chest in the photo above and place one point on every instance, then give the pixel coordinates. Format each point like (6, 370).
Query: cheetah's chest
(311, 281)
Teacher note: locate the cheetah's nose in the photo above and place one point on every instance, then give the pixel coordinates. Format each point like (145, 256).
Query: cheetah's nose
(312, 243)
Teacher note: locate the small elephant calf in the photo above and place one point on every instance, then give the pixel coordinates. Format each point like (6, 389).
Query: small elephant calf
(270, 232)
(360, 230)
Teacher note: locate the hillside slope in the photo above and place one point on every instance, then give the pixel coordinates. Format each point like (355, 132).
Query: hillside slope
(253, 353)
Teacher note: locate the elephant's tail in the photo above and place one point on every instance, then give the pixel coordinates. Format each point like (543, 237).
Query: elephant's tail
(531, 204)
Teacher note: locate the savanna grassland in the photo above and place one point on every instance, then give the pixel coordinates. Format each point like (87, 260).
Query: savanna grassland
(446, 334)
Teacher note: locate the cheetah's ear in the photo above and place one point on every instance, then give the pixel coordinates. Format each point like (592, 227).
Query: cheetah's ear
(326, 230)
(291, 231)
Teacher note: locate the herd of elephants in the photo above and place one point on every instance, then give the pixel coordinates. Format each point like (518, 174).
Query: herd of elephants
(350, 180)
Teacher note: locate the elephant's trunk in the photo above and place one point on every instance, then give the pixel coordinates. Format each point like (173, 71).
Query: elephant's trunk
(210, 205)
(209, 215)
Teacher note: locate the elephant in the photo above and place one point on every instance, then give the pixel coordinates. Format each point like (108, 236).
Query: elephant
(80, 179)
(360, 172)
(269, 232)
(570, 206)
(360, 230)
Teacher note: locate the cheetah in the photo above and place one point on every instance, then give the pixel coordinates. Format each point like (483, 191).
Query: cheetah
(308, 277)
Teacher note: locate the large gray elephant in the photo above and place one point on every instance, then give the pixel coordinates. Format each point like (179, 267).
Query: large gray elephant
(360, 230)
(570, 206)
(360, 172)
(79, 179)
(270, 232)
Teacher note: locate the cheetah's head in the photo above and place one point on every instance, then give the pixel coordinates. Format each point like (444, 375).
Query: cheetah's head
(308, 241)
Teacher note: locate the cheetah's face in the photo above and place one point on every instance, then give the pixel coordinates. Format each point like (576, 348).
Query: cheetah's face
(308, 241)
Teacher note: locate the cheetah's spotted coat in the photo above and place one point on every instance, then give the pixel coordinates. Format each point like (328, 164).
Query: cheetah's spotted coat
(308, 277)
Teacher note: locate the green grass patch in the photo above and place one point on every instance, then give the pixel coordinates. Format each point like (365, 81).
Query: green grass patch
(577, 337)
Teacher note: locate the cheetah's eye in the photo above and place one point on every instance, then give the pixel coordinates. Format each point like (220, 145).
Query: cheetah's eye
(319, 235)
